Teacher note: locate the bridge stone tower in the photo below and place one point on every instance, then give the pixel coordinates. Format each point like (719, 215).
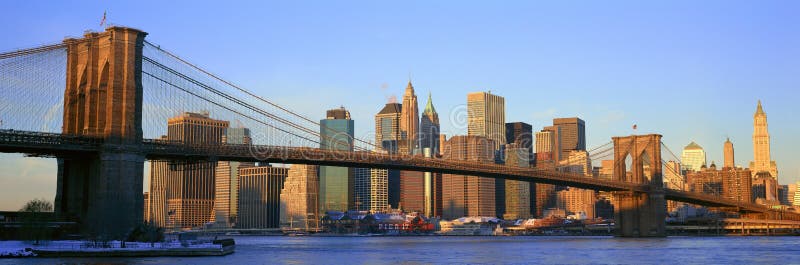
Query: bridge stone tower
(639, 214)
(103, 98)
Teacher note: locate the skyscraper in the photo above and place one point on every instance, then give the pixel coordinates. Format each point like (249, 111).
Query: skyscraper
(299, 198)
(548, 152)
(468, 195)
(572, 134)
(387, 128)
(226, 175)
(556, 153)
(729, 182)
(486, 116)
(730, 162)
(765, 189)
(372, 189)
(412, 191)
(762, 161)
(260, 197)
(693, 157)
(336, 183)
(429, 128)
(522, 134)
(517, 193)
(182, 193)
(409, 120)
(576, 201)
(430, 145)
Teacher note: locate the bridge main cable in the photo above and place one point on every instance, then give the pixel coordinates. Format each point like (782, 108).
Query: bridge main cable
(254, 95)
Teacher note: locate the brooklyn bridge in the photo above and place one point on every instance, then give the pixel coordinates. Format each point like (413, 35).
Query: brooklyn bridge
(98, 105)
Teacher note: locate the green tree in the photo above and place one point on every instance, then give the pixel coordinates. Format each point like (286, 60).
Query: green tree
(34, 216)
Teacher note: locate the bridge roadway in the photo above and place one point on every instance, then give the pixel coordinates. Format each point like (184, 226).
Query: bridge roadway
(54, 144)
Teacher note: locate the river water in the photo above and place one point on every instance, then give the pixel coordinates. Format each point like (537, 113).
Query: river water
(484, 250)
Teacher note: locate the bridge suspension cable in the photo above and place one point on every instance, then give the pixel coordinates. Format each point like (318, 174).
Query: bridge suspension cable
(247, 92)
(237, 102)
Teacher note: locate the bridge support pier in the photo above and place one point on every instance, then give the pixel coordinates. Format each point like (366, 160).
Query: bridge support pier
(640, 214)
(103, 99)
(637, 159)
(103, 193)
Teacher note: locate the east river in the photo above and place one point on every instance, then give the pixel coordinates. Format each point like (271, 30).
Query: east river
(484, 250)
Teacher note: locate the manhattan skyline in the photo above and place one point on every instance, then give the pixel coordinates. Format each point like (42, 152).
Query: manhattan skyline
(696, 79)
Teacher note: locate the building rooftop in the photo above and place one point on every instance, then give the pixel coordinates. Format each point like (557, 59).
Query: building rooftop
(391, 108)
(693, 146)
(429, 109)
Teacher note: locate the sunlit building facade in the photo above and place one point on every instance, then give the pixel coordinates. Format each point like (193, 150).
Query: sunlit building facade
(693, 157)
(336, 183)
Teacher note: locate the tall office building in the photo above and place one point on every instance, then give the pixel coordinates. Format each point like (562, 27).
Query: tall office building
(429, 128)
(468, 195)
(517, 193)
(372, 190)
(226, 175)
(147, 212)
(792, 194)
(299, 198)
(765, 189)
(762, 161)
(387, 128)
(412, 191)
(729, 183)
(259, 199)
(336, 183)
(673, 176)
(521, 134)
(548, 152)
(389, 138)
(693, 157)
(727, 149)
(576, 162)
(442, 140)
(486, 116)
(409, 120)
(430, 145)
(576, 201)
(361, 189)
(182, 193)
(572, 134)
(796, 197)
(553, 133)
(737, 184)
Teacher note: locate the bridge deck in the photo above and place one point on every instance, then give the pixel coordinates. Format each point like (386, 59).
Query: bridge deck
(53, 144)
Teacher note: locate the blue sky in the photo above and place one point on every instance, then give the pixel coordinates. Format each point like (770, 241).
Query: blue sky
(690, 70)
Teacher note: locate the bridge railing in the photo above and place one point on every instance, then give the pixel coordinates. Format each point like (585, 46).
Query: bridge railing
(168, 149)
(41, 138)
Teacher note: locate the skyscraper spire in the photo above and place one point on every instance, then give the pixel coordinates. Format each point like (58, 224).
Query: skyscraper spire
(409, 121)
(759, 109)
(762, 162)
(429, 109)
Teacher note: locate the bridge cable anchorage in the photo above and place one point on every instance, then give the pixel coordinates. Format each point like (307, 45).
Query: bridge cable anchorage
(234, 100)
(258, 97)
